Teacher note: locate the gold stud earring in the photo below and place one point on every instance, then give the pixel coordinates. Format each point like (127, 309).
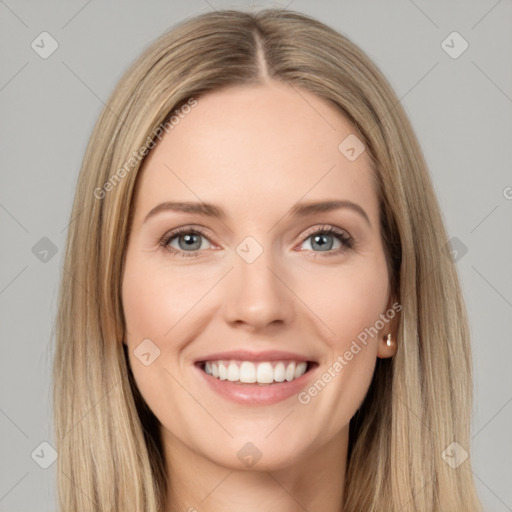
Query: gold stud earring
(388, 340)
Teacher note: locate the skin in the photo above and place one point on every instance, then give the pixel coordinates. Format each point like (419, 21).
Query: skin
(255, 151)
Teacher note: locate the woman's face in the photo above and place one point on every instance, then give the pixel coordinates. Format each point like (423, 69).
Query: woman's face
(255, 280)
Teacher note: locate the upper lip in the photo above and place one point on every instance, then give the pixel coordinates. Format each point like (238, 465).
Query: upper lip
(245, 355)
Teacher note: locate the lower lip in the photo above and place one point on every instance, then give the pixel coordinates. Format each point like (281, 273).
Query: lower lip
(254, 394)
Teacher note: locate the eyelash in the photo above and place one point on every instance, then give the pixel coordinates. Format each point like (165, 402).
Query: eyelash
(346, 240)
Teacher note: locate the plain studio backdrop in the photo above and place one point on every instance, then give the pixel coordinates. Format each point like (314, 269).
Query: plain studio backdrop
(450, 63)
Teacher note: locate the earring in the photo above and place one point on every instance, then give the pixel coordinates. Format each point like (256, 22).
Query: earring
(388, 340)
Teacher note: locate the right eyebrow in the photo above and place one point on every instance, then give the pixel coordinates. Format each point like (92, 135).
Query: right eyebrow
(207, 209)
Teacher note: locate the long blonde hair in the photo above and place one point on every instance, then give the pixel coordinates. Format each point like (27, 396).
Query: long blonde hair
(419, 402)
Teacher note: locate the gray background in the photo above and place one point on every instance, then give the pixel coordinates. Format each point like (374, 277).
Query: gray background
(461, 110)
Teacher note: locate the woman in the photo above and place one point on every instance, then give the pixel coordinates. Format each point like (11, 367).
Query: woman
(258, 309)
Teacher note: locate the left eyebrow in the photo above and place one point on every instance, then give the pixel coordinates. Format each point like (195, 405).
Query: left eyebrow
(305, 209)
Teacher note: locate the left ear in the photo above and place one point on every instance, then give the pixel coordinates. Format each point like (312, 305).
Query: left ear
(387, 337)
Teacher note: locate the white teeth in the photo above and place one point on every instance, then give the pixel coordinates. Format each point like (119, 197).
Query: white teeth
(249, 372)
(300, 369)
(290, 372)
(279, 372)
(265, 373)
(233, 372)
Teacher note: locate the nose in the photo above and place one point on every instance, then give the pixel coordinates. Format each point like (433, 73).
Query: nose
(257, 294)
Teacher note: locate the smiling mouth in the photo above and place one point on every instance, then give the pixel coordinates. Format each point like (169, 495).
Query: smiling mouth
(263, 373)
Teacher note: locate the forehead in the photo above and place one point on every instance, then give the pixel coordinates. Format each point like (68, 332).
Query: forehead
(254, 149)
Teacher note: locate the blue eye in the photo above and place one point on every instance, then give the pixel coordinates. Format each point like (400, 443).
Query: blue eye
(190, 241)
(322, 239)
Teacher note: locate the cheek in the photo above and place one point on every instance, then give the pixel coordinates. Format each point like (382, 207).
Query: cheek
(166, 303)
(155, 299)
(346, 300)
(158, 307)
(349, 302)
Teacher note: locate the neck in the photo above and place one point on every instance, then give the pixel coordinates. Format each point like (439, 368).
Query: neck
(314, 481)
